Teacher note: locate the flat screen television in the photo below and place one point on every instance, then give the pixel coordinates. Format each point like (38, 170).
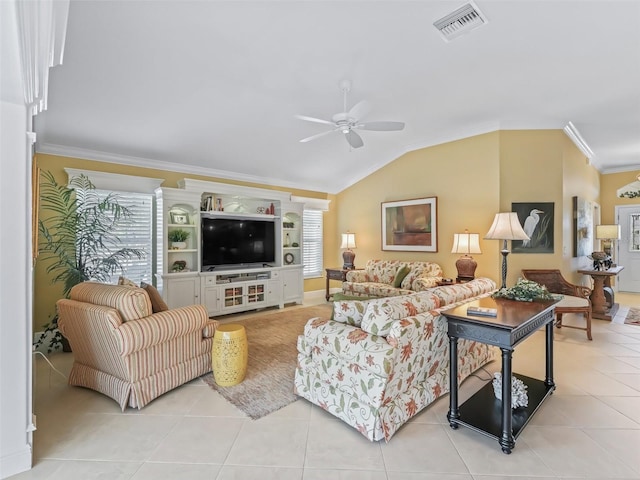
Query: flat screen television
(237, 242)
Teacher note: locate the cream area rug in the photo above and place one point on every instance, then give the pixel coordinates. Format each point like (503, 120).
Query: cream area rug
(633, 317)
(272, 338)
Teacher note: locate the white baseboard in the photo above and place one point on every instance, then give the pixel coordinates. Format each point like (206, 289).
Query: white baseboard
(16, 462)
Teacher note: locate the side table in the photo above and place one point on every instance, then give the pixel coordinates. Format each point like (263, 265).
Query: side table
(514, 322)
(602, 289)
(335, 274)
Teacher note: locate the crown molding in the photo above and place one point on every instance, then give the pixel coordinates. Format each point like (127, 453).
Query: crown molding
(95, 155)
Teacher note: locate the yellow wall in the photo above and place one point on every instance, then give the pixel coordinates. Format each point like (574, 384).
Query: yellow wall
(473, 179)
(46, 294)
(610, 183)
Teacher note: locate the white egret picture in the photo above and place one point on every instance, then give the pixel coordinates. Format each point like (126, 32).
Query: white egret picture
(537, 220)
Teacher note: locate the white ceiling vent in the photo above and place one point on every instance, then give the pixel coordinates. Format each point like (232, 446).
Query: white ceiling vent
(457, 23)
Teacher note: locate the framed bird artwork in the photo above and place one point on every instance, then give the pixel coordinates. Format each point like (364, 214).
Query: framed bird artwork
(537, 220)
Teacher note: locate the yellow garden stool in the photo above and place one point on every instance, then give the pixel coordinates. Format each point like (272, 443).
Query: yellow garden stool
(229, 354)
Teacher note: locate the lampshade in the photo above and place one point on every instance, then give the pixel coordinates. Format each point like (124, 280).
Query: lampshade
(466, 243)
(348, 240)
(607, 232)
(506, 226)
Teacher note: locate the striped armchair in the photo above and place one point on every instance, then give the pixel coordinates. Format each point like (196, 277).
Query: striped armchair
(125, 351)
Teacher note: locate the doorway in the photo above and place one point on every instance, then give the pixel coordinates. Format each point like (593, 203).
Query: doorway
(628, 248)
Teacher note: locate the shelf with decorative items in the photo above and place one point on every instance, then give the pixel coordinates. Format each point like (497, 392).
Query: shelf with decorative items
(291, 233)
(220, 204)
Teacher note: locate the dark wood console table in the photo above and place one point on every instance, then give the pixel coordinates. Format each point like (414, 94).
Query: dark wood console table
(514, 322)
(600, 308)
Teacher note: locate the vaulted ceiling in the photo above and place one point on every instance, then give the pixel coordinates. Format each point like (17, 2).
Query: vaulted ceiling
(213, 87)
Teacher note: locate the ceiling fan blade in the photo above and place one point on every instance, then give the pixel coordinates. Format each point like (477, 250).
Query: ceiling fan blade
(354, 139)
(317, 135)
(381, 126)
(315, 120)
(360, 110)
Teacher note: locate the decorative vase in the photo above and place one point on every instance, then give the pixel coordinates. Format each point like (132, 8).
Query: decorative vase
(179, 245)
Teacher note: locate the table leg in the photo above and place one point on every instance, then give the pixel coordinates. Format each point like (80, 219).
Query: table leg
(548, 378)
(507, 441)
(453, 413)
(598, 301)
(327, 296)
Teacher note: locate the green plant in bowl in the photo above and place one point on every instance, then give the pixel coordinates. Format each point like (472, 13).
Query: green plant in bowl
(178, 235)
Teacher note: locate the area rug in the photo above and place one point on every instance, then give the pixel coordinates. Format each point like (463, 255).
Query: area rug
(272, 337)
(633, 317)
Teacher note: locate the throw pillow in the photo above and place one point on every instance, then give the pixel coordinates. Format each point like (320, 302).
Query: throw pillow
(126, 282)
(403, 271)
(157, 303)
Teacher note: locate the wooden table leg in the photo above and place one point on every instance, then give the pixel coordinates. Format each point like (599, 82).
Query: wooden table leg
(327, 296)
(598, 302)
(453, 413)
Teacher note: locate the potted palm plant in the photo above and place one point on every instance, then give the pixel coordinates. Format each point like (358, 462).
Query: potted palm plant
(76, 228)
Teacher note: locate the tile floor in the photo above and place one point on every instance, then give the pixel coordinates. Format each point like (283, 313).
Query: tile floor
(589, 428)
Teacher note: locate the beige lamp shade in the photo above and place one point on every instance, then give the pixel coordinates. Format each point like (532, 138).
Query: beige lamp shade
(506, 226)
(348, 240)
(466, 243)
(608, 232)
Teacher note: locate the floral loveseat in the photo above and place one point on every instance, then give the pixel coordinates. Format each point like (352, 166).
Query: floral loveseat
(377, 363)
(388, 278)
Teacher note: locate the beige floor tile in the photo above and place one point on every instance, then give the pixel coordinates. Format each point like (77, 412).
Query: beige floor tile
(272, 442)
(630, 379)
(628, 406)
(581, 411)
(622, 444)
(232, 472)
(422, 448)
(571, 452)
(483, 455)
(326, 474)
(335, 444)
(198, 440)
(429, 476)
(79, 470)
(104, 437)
(173, 471)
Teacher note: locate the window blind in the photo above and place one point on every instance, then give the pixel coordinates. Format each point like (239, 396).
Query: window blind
(137, 233)
(312, 243)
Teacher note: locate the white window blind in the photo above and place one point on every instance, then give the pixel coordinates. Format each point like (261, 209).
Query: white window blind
(137, 233)
(312, 244)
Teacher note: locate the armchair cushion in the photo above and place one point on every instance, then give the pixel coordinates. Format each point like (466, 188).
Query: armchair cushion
(402, 272)
(157, 303)
(130, 302)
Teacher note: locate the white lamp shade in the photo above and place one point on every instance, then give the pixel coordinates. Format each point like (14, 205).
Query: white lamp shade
(466, 243)
(348, 240)
(608, 232)
(506, 226)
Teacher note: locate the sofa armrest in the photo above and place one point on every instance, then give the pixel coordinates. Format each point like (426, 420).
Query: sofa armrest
(357, 276)
(425, 283)
(160, 327)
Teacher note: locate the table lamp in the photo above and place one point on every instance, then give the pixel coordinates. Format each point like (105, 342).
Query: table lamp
(348, 242)
(466, 243)
(608, 233)
(506, 226)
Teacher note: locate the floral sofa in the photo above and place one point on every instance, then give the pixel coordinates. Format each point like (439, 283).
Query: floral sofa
(388, 278)
(377, 363)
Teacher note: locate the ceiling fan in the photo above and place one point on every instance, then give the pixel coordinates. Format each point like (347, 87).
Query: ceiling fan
(347, 122)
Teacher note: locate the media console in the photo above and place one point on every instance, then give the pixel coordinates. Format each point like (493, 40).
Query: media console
(227, 289)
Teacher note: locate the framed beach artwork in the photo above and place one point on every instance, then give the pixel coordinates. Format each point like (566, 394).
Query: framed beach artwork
(537, 219)
(410, 225)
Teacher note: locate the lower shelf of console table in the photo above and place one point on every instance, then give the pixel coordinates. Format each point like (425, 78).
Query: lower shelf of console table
(483, 411)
